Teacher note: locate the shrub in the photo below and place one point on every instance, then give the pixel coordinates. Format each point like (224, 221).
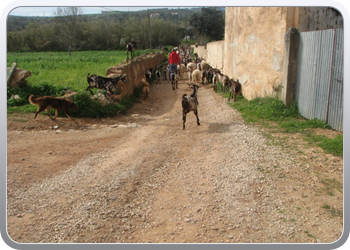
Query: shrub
(26, 90)
(90, 108)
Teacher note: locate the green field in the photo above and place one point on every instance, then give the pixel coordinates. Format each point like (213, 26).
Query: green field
(61, 70)
(55, 72)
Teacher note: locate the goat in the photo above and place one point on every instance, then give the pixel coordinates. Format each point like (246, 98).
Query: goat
(181, 69)
(145, 88)
(100, 82)
(196, 57)
(165, 72)
(235, 89)
(190, 103)
(204, 65)
(173, 76)
(148, 73)
(219, 77)
(207, 75)
(197, 76)
(190, 68)
(130, 47)
(158, 75)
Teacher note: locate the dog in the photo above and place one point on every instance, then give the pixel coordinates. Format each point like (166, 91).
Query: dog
(145, 89)
(48, 102)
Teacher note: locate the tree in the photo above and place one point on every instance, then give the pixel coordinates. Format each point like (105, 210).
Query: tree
(209, 23)
(68, 22)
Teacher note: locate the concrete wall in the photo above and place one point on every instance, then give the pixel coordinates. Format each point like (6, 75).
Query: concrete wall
(201, 51)
(254, 48)
(215, 54)
(135, 71)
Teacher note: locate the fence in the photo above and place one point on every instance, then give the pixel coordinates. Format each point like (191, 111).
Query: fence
(319, 84)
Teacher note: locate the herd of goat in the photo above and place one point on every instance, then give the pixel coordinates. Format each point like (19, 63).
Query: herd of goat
(199, 73)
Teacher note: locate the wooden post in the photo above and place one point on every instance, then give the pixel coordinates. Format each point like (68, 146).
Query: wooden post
(290, 66)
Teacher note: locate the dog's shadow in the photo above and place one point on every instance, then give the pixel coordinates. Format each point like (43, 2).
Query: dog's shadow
(60, 123)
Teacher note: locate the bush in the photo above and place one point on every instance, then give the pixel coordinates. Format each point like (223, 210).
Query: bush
(89, 108)
(26, 90)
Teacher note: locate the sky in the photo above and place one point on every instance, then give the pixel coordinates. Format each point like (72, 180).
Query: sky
(49, 11)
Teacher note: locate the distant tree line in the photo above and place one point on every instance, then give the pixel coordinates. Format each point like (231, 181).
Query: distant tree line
(70, 30)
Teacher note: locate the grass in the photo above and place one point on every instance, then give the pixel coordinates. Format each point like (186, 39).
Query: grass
(54, 73)
(64, 71)
(272, 114)
(333, 211)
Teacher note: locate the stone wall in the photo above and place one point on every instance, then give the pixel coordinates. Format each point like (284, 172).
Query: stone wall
(135, 71)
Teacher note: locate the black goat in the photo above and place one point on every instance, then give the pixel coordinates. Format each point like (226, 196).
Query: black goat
(148, 74)
(158, 75)
(164, 73)
(100, 82)
(130, 47)
(190, 103)
(207, 76)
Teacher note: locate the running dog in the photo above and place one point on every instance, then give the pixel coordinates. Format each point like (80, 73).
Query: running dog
(48, 102)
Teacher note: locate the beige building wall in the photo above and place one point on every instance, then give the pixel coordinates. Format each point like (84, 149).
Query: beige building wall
(254, 48)
(201, 51)
(215, 54)
(257, 48)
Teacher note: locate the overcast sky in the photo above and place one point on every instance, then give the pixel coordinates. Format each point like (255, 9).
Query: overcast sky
(49, 11)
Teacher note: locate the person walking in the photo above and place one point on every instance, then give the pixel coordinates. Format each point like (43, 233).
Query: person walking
(174, 60)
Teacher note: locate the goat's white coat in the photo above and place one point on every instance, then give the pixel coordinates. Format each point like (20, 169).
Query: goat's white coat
(190, 68)
(181, 69)
(196, 76)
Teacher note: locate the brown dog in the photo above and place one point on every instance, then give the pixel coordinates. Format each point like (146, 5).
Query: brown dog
(145, 89)
(48, 102)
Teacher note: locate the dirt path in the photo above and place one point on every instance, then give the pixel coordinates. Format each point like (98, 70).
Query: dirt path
(140, 178)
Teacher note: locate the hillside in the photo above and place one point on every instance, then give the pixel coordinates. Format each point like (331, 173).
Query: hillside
(16, 23)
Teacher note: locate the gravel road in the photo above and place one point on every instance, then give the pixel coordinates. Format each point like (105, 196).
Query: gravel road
(140, 178)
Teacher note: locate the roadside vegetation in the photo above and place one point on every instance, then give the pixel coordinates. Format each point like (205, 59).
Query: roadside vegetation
(56, 73)
(271, 114)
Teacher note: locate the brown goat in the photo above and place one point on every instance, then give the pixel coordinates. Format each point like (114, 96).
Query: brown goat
(235, 89)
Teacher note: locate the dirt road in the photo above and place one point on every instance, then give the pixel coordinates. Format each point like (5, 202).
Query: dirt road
(140, 178)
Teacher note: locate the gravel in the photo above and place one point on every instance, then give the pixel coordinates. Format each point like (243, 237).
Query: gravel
(220, 182)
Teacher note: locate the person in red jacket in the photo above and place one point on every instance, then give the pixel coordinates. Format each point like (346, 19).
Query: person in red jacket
(174, 60)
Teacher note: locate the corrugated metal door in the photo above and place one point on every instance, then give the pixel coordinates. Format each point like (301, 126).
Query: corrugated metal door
(319, 86)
